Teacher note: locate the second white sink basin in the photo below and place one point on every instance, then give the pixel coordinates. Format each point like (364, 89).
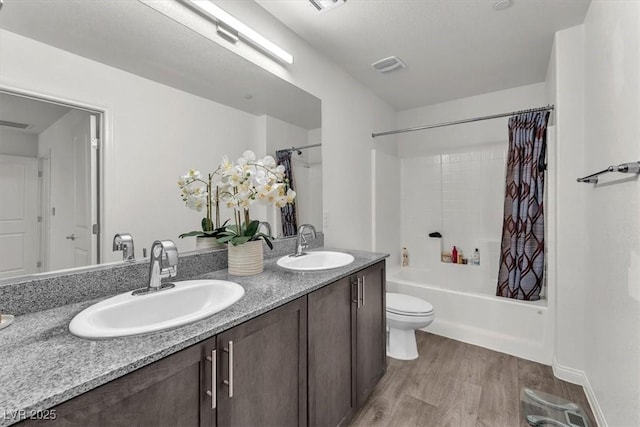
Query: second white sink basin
(317, 260)
(128, 314)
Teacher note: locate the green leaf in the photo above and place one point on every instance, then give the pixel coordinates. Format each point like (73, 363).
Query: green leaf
(239, 240)
(191, 234)
(266, 239)
(207, 224)
(224, 239)
(252, 228)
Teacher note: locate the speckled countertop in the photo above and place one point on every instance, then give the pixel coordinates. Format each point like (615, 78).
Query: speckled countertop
(42, 364)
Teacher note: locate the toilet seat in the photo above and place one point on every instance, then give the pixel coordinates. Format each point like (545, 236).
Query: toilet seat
(406, 305)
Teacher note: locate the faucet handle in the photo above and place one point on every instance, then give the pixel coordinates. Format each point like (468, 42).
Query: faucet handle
(124, 242)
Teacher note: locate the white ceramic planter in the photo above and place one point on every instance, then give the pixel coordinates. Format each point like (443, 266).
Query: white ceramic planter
(246, 259)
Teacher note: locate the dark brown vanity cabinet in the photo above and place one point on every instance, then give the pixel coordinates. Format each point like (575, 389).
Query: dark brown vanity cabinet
(262, 375)
(371, 331)
(250, 375)
(164, 393)
(347, 345)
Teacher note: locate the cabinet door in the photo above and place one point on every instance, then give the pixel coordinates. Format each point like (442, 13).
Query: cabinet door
(263, 369)
(331, 355)
(370, 331)
(165, 393)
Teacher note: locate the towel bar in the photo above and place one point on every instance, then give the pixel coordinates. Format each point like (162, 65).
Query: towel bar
(631, 167)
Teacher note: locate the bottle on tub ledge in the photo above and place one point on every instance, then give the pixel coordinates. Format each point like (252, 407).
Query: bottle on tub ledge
(476, 257)
(454, 255)
(405, 257)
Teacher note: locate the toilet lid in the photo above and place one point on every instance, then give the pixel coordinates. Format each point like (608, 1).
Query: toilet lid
(406, 304)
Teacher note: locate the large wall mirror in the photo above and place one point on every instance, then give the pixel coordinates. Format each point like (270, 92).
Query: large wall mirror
(119, 101)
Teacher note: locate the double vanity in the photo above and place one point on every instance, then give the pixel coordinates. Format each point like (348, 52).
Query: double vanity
(298, 347)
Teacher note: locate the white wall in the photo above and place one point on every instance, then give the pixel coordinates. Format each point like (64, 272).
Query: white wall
(449, 138)
(15, 143)
(612, 212)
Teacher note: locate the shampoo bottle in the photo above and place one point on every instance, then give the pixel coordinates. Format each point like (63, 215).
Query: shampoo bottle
(476, 257)
(405, 257)
(454, 255)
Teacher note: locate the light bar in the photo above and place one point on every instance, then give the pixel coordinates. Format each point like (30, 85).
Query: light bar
(224, 20)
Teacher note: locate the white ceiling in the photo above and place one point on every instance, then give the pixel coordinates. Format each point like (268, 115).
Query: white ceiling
(134, 37)
(38, 115)
(453, 48)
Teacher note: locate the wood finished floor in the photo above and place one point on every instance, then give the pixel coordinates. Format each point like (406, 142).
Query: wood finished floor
(457, 384)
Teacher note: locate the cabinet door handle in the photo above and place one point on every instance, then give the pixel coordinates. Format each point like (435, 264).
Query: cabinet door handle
(359, 294)
(214, 379)
(355, 294)
(363, 286)
(229, 383)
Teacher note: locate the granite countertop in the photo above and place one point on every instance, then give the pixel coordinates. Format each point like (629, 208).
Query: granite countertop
(43, 365)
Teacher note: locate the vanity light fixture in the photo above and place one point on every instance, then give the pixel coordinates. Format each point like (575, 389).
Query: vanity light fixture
(232, 30)
(324, 5)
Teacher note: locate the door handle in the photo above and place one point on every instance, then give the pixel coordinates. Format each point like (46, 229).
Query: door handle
(71, 237)
(355, 294)
(229, 382)
(363, 286)
(214, 379)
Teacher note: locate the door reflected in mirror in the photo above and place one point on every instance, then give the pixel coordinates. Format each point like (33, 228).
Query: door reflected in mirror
(48, 186)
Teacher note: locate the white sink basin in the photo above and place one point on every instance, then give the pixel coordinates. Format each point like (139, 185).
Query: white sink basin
(126, 314)
(317, 260)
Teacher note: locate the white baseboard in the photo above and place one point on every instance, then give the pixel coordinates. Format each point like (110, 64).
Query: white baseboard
(565, 373)
(578, 377)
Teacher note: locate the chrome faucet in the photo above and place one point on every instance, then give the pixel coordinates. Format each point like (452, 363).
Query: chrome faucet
(266, 225)
(124, 242)
(163, 264)
(301, 241)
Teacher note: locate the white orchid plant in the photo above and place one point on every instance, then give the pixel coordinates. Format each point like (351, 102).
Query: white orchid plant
(250, 181)
(198, 193)
(237, 186)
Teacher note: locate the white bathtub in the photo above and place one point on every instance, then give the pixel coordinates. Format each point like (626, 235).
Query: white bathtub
(466, 310)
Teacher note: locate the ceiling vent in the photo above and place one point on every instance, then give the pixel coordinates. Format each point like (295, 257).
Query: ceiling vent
(501, 4)
(389, 64)
(14, 125)
(324, 5)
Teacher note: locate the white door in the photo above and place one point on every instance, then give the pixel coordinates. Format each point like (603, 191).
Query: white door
(18, 216)
(81, 235)
(70, 211)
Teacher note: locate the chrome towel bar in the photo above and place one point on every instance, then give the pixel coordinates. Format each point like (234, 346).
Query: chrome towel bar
(632, 167)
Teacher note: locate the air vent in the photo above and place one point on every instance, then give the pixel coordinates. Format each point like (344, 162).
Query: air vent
(389, 64)
(14, 125)
(324, 5)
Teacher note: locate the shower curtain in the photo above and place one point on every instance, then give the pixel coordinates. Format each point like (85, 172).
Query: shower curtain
(287, 213)
(522, 250)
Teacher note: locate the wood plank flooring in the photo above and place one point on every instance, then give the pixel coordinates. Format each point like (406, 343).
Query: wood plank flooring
(456, 384)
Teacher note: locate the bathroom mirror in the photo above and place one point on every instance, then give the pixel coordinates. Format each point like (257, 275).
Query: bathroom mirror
(169, 100)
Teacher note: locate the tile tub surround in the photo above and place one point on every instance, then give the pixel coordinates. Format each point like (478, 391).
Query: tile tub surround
(44, 365)
(45, 291)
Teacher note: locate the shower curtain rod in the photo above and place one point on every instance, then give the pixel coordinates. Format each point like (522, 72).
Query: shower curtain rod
(303, 147)
(457, 122)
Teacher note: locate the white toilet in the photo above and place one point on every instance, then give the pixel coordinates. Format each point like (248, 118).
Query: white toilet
(405, 314)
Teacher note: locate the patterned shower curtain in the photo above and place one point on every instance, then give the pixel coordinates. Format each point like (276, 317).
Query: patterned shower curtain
(287, 213)
(522, 250)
